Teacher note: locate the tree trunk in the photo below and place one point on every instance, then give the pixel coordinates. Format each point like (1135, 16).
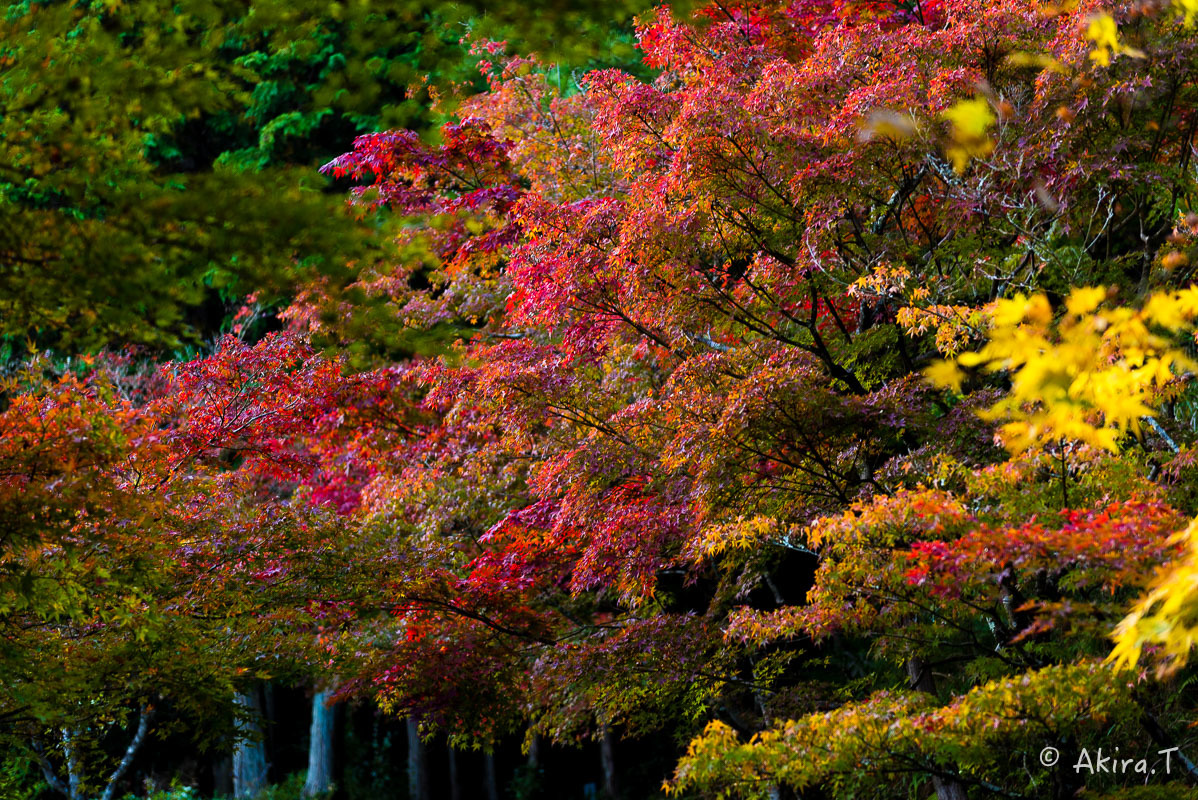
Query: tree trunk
(607, 754)
(74, 779)
(534, 752)
(535, 774)
(919, 675)
(320, 747)
(489, 776)
(249, 759)
(455, 789)
(139, 736)
(417, 763)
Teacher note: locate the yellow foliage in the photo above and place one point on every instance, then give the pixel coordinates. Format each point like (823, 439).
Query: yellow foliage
(971, 122)
(946, 374)
(744, 534)
(1090, 377)
(954, 324)
(886, 124)
(1104, 33)
(1055, 9)
(884, 281)
(1188, 9)
(1168, 615)
(1038, 60)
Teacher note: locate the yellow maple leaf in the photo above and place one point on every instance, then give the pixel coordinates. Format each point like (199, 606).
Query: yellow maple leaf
(971, 121)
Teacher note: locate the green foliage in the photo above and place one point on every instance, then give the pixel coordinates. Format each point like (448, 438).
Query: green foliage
(290, 788)
(158, 161)
(845, 752)
(174, 792)
(527, 784)
(19, 779)
(374, 765)
(103, 239)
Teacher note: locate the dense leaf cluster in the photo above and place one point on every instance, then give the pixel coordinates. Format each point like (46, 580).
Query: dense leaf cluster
(696, 464)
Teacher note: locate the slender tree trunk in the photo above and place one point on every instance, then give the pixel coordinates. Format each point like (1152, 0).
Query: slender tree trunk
(489, 776)
(534, 766)
(607, 754)
(320, 747)
(139, 736)
(774, 791)
(455, 789)
(73, 776)
(919, 675)
(249, 759)
(534, 752)
(417, 763)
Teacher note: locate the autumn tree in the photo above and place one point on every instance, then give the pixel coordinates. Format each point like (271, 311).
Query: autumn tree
(821, 395)
(706, 470)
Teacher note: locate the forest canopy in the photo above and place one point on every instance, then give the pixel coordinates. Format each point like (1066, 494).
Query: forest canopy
(733, 400)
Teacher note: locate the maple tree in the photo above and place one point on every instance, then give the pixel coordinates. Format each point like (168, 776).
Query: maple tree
(700, 309)
(117, 564)
(823, 398)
